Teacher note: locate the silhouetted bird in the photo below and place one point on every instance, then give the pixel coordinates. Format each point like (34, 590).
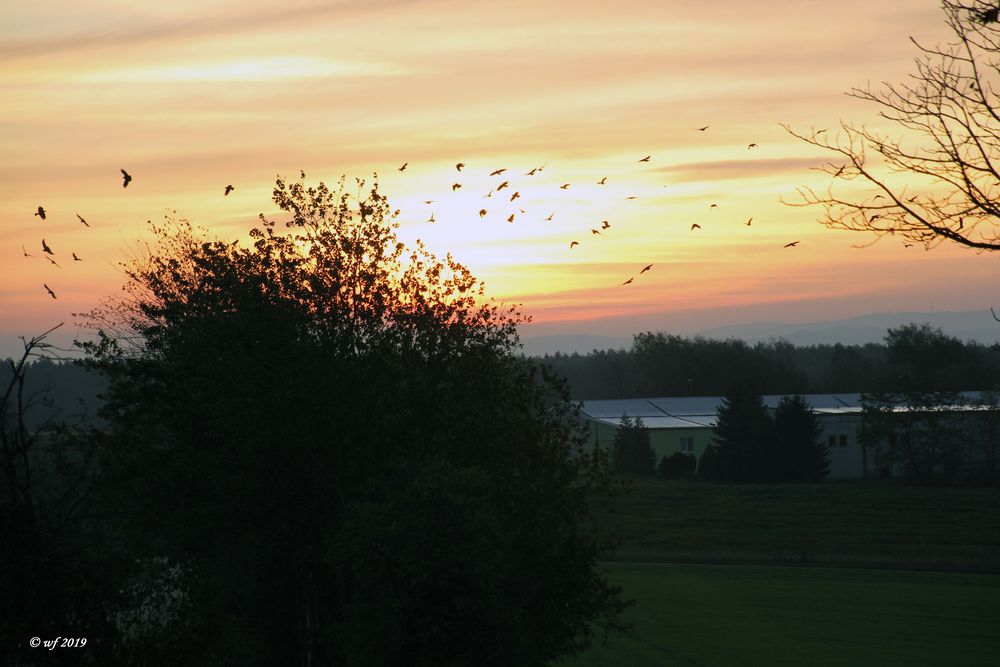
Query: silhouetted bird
(497, 172)
(229, 189)
(912, 199)
(76, 259)
(628, 282)
(52, 262)
(25, 251)
(713, 206)
(792, 244)
(40, 212)
(431, 219)
(511, 218)
(695, 226)
(877, 197)
(749, 221)
(549, 219)
(49, 290)
(594, 231)
(82, 220)
(534, 171)
(459, 166)
(482, 213)
(646, 159)
(488, 194)
(602, 181)
(403, 168)
(907, 245)
(126, 178)
(501, 186)
(631, 197)
(515, 196)
(455, 186)
(428, 201)
(46, 248)
(818, 132)
(702, 129)
(564, 186)
(605, 224)
(573, 243)
(751, 146)
(645, 268)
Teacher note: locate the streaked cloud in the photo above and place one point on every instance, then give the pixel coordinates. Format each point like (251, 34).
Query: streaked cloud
(284, 68)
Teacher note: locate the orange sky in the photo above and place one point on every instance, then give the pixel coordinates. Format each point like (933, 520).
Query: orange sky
(189, 96)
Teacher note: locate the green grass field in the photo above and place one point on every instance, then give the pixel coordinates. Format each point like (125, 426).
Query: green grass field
(840, 523)
(740, 616)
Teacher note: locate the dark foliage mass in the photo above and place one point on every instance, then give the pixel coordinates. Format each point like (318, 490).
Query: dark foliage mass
(322, 449)
(752, 446)
(631, 450)
(678, 465)
(666, 365)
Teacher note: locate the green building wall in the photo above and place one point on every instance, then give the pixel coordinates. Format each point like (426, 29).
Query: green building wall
(664, 441)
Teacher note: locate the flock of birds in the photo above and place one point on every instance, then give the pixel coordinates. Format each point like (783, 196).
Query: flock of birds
(605, 225)
(49, 254)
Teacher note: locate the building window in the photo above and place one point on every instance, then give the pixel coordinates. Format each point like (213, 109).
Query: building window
(687, 444)
(843, 441)
(831, 441)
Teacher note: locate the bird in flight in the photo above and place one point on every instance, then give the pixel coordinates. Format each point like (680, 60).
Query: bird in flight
(535, 170)
(821, 131)
(695, 226)
(751, 146)
(46, 248)
(511, 218)
(229, 189)
(126, 178)
(749, 221)
(713, 206)
(455, 186)
(502, 186)
(497, 172)
(602, 181)
(25, 251)
(515, 196)
(645, 268)
(403, 168)
(627, 282)
(49, 290)
(488, 194)
(792, 244)
(82, 220)
(564, 186)
(549, 219)
(482, 213)
(428, 201)
(459, 166)
(40, 212)
(431, 219)
(912, 199)
(702, 129)
(573, 243)
(631, 197)
(594, 231)
(76, 259)
(605, 224)
(646, 159)
(53, 262)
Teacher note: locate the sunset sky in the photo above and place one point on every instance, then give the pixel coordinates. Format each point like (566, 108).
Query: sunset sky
(190, 96)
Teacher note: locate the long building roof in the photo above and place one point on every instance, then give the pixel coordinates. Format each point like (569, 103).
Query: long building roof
(701, 411)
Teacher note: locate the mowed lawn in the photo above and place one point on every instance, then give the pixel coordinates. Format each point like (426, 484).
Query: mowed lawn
(745, 615)
(840, 523)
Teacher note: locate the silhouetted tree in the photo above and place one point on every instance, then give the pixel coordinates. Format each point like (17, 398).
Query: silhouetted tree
(327, 437)
(710, 464)
(677, 466)
(800, 454)
(938, 179)
(632, 451)
(744, 436)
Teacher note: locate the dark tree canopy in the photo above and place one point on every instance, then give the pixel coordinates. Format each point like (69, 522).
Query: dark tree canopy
(633, 454)
(744, 436)
(800, 454)
(939, 178)
(332, 436)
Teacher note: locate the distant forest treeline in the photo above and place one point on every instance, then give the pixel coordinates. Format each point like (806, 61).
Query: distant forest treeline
(661, 364)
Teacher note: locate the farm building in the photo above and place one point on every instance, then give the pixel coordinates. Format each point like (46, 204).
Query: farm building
(685, 424)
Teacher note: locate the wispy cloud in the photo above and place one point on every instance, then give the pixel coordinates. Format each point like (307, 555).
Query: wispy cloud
(733, 169)
(259, 69)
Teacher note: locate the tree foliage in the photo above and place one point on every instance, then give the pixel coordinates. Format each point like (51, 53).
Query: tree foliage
(939, 180)
(289, 419)
(800, 454)
(631, 449)
(678, 465)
